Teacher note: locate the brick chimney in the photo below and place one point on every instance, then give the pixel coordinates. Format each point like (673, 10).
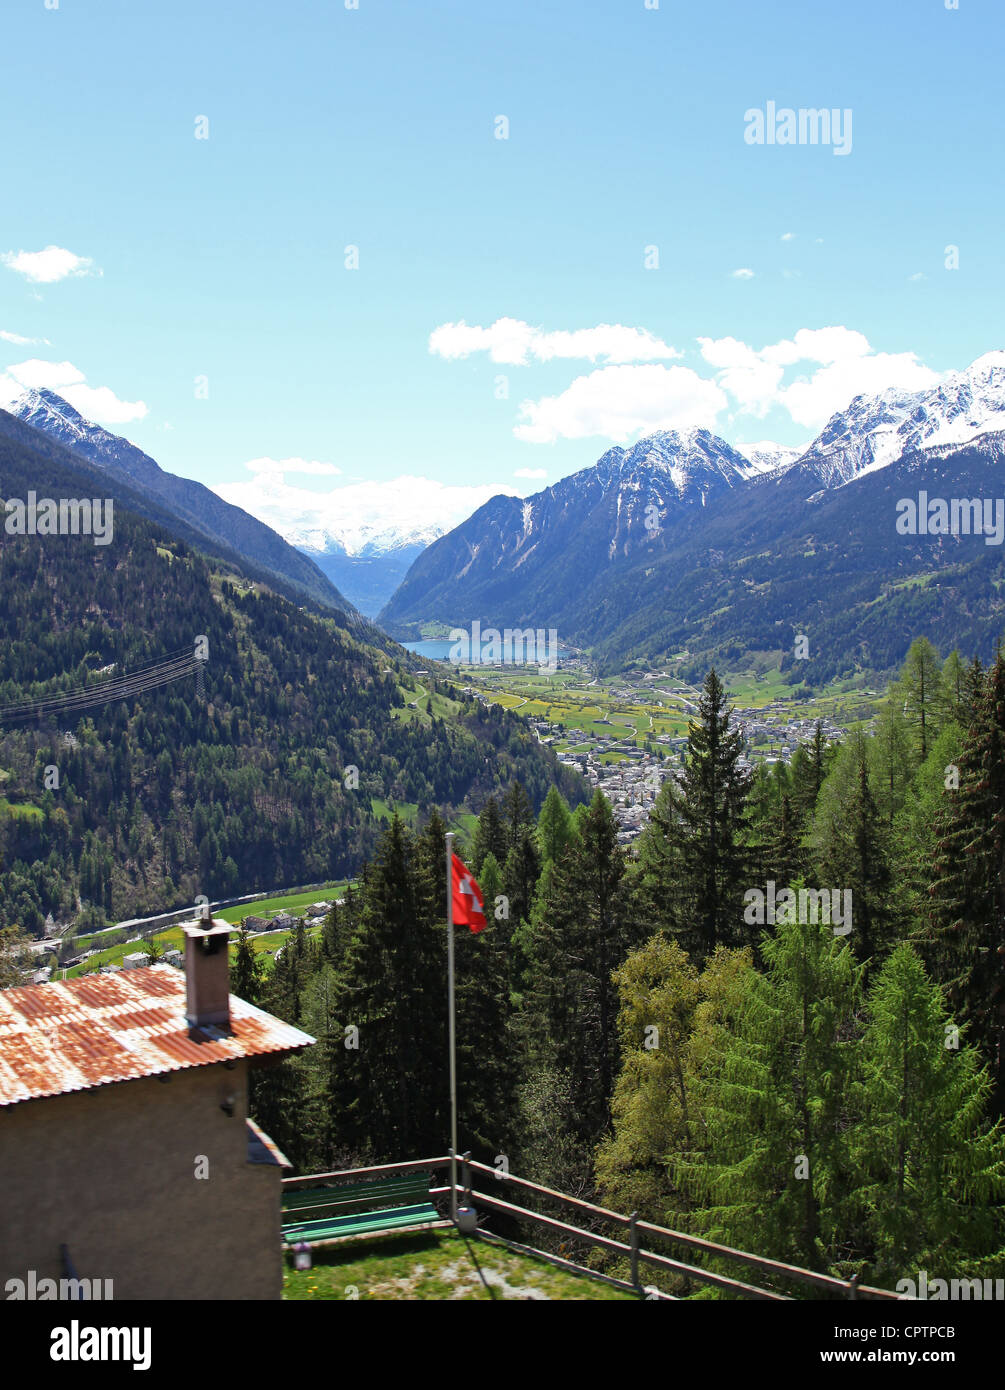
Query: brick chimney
(207, 973)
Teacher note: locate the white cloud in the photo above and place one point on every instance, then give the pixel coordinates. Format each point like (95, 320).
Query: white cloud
(620, 402)
(845, 366)
(277, 467)
(788, 236)
(357, 514)
(744, 273)
(48, 266)
(918, 275)
(514, 342)
(18, 341)
(531, 473)
(98, 403)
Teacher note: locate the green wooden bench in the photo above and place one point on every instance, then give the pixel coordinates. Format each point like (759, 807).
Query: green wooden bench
(313, 1214)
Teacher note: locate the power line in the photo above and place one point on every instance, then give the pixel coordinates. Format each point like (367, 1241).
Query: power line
(176, 666)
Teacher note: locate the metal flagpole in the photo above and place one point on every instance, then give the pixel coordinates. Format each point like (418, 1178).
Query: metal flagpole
(453, 1055)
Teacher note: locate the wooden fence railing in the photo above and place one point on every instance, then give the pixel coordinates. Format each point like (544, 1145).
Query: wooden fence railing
(631, 1249)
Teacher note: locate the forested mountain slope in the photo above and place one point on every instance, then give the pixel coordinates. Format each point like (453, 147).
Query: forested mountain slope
(169, 794)
(670, 549)
(39, 418)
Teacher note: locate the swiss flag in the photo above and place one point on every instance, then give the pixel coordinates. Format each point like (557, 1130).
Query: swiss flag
(469, 906)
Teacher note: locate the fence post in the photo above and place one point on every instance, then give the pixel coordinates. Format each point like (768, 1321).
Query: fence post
(633, 1236)
(466, 1177)
(853, 1285)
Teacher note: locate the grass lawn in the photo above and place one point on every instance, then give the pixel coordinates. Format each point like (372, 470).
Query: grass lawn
(20, 810)
(172, 936)
(435, 1265)
(293, 903)
(114, 955)
(407, 810)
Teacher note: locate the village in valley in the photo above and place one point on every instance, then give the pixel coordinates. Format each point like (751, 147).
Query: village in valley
(628, 734)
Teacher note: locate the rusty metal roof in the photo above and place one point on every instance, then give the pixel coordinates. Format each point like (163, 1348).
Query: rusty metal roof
(75, 1035)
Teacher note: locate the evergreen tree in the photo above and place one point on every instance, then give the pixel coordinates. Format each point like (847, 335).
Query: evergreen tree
(322, 1066)
(518, 815)
(892, 759)
(783, 858)
(964, 936)
(916, 829)
(391, 1090)
(810, 765)
(667, 1018)
(694, 863)
(554, 826)
(490, 836)
(929, 1169)
(585, 931)
(486, 1077)
(852, 846)
(246, 973)
(520, 875)
(491, 883)
(952, 695)
(770, 1174)
(920, 689)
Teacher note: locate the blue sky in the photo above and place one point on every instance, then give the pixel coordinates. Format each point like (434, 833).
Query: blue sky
(375, 127)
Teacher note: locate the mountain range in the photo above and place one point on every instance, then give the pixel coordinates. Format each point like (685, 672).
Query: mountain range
(228, 781)
(197, 513)
(684, 543)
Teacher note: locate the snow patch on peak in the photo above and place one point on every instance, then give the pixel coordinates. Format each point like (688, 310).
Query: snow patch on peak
(767, 457)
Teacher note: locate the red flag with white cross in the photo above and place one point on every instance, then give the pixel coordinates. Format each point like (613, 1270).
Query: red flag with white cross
(469, 905)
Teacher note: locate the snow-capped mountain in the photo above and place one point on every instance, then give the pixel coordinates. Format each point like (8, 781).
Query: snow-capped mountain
(874, 431)
(662, 515)
(766, 457)
(44, 410)
(362, 538)
(209, 520)
(688, 464)
(630, 501)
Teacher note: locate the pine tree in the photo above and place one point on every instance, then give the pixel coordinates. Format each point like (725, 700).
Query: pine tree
(520, 875)
(692, 854)
(668, 1014)
(491, 883)
(518, 815)
(952, 695)
(246, 973)
(916, 829)
(964, 939)
(852, 849)
(392, 1089)
(769, 1174)
(323, 1063)
(554, 826)
(810, 765)
(929, 1170)
(490, 836)
(585, 931)
(486, 1077)
(921, 690)
(892, 759)
(783, 857)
